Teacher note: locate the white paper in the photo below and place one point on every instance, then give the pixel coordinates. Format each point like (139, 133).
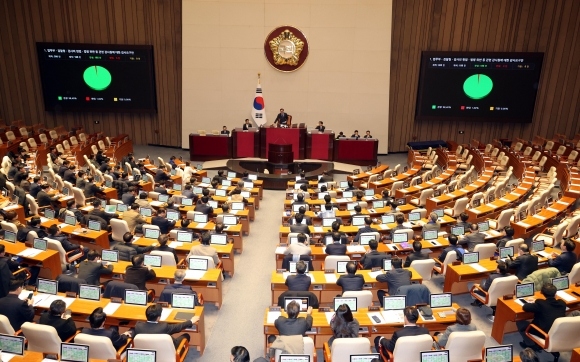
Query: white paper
(43, 219)
(562, 203)
(45, 302)
(341, 200)
(201, 225)
(355, 248)
(63, 225)
(111, 308)
(330, 278)
(29, 253)
(435, 199)
(539, 217)
(12, 207)
(375, 274)
(393, 316)
(523, 224)
(48, 360)
(318, 229)
(280, 249)
(165, 312)
(156, 203)
(543, 254)
(352, 212)
(272, 316)
(175, 244)
(408, 225)
(404, 190)
(435, 243)
(234, 212)
(494, 232)
(329, 316)
(384, 227)
(478, 267)
(504, 199)
(429, 183)
(7, 356)
(378, 315)
(194, 274)
(519, 302)
(567, 297)
(391, 246)
(476, 211)
(553, 210)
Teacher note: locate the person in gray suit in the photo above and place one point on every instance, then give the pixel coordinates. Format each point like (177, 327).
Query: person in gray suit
(395, 278)
(432, 224)
(299, 227)
(463, 317)
(464, 217)
(473, 238)
(300, 248)
(154, 326)
(294, 325)
(299, 282)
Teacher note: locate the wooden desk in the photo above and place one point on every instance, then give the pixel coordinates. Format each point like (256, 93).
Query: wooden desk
(326, 291)
(48, 261)
(537, 223)
(38, 357)
(19, 211)
(98, 240)
(575, 355)
(508, 312)
(414, 191)
(234, 232)
(387, 183)
(365, 175)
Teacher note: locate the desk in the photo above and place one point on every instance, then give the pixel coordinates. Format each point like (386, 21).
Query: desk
(293, 136)
(357, 152)
(538, 222)
(39, 357)
(508, 312)
(98, 240)
(210, 147)
(50, 259)
(575, 355)
(321, 331)
(234, 232)
(387, 183)
(414, 191)
(19, 211)
(320, 145)
(326, 291)
(364, 176)
(246, 143)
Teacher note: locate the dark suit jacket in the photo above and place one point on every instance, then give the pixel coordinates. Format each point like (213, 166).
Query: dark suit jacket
(350, 282)
(17, 311)
(403, 332)
(501, 242)
(138, 276)
(472, 240)
(225, 132)
(324, 179)
(62, 170)
(293, 327)
(128, 198)
(374, 259)
(118, 340)
(81, 183)
(546, 311)
(161, 177)
(43, 199)
(167, 248)
(432, 226)
(34, 189)
(306, 218)
(247, 126)
(163, 223)
(524, 265)
(282, 118)
(161, 328)
(343, 238)
(70, 176)
(91, 189)
(91, 271)
(204, 208)
(336, 249)
(65, 328)
(298, 282)
(448, 249)
(364, 229)
(493, 276)
(415, 256)
(564, 262)
(174, 288)
(395, 278)
(320, 128)
(300, 229)
(392, 231)
(104, 215)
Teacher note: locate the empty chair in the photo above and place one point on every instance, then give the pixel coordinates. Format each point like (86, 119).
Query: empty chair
(422, 200)
(527, 152)
(415, 181)
(549, 145)
(518, 147)
(562, 336)
(486, 251)
(540, 166)
(372, 178)
(94, 149)
(82, 137)
(364, 297)
(5, 326)
(343, 348)
(53, 135)
(515, 243)
(23, 132)
(73, 141)
(465, 346)
(396, 186)
(574, 275)
(477, 198)
(572, 228)
(331, 261)
(163, 345)
(167, 258)
(119, 228)
(561, 150)
(424, 268)
(10, 136)
(458, 208)
(66, 258)
(488, 149)
(572, 156)
(556, 238)
(431, 163)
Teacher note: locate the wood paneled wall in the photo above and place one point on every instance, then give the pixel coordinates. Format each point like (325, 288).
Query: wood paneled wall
(549, 26)
(152, 22)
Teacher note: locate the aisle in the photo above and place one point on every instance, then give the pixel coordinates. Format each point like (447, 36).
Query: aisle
(240, 320)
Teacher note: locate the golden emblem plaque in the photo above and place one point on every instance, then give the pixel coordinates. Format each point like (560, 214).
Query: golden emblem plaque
(286, 48)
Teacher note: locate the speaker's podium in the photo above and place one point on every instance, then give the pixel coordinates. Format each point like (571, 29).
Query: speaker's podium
(281, 146)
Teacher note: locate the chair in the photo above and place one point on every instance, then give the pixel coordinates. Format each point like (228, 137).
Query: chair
(53, 135)
(82, 137)
(94, 149)
(478, 196)
(73, 141)
(5, 326)
(373, 178)
(572, 156)
(415, 181)
(487, 149)
(415, 293)
(309, 349)
(458, 208)
(574, 275)
(288, 258)
(215, 132)
(408, 349)
(32, 144)
(65, 257)
(424, 268)
(80, 198)
(364, 297)
(549, 145)
(33, 206)
(572, 228)
(163, 345)
(101, 347)
(115, 202)
(486, 250)
(201, 132)
(66, 146)
(555, 239)
(10, 188)
(498, 288)
(521, 207)
(562, 336)
(8, 226)
(540, 166)
(101, 145)
(422, 200)
(117, 289)
(23, 132)
(10, 136)
(465, 346)
(119, 228)
(342, 348)
(396, 186)
(331, 261)
(518, 146)
(429, 165)
(467, 164)
(167, 258)
(24, 146)
(42, 338)
(515, 243)
(69, 283)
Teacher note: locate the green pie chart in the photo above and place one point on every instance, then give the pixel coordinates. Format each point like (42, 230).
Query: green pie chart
(97, 77)
(478, 86)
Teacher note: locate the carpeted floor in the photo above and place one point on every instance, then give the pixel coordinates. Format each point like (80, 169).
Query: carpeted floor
(247, 294)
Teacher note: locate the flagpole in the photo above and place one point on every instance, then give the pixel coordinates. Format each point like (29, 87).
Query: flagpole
(258, 78)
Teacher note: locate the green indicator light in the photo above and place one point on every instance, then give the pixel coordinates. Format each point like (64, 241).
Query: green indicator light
(478, 86)
(97, 77)
(59, 98)
(433, 107)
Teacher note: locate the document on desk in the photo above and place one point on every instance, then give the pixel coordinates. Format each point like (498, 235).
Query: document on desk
(63, 225)
(29, 253)
(7, 356)
(392, 316)
(200, 225)
(341, 200)
(43, 219)
(46, 302)
(523, 224)
(272, 316)
(562, 203)
(553, 210)
(504, 199)
(384, 227)
(478, 267)
(194, 274)
(434, 243)
(375, 274)
(111, 308)
(355, 249)
(165, 312)
(567, 297)
(539, 217)
(408, 225)
(329, 316)
(280, 249)
(175, 244)
(11, 207)
(156, 203)
(330, 278)
(318, 229)
(435, 199)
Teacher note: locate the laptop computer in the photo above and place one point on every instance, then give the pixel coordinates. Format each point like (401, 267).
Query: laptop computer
(182, 300)
(39, 244)
(198, 190)
(73, 352)
(303, 302)
(365, 357)
(364, 239)
(435, 356)
(111, 256)
(471, 258)
(70, 220)
(502, 353)
(561, 283)
(350, 301)
(177, 187)
(327, 222)
(200, 218)
(90, 292)
(162, 198)
(12, 344)
(186, 202)
(249, 185)
(47, 286)
(231, 174)
(400, 237)
(49, 214)
(253, 177)
(457, 230)
(152, 260)
(145, 211)
(221, 192)
(229, 220)
(440, 300)
(172, 215)
(358, 221)
(10, 236)
(388, 219)
(199, 264)
(184, 237)
(483, 226)
(152, 233)
(122, 207)
(369, 192)
(141, 355)
(219, 239)
(379, 204)
(430, 235)
(523, 291)
(111, 209)
(393, 307)
(237, 206)
(414, 216)
(226, 183)
(347, 194)
(135, 297)
(94, 225)
(538, 248)
(387, 264)
(506, 252)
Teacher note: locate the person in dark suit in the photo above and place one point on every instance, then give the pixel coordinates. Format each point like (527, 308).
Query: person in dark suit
(71, 206)
(464, 217)
(161, 189)
(411, 314)
(350, 186)
(337, 247)
(138, 273)
(56, 317)
(98, 211)
(54, 233)
(416, 254)
(91, 190)
(225, 130)
(302, 180)
(525, 264)
(351, 281)
(177, 287)
(357, 213)
(372, 257)
(16, 310)
(325, 177)
(282, 118)
(35, 186)
(299, 227)
(161, 220)
(452, 247)
(154, 326)
(294, 325)
(21, 175)
(306, 218)
(81, 182)
(203, 207)
(565, 261)
(320, 127)
(247, 125)
(355, 135)
(335, 227)
(399, 219)
(368, 135)
(163, 240)
(500, 272)
(473, 238)
(300, 281)
(70, 176)
(395, 278)
(91, 269)
(365, 229)
(97, 322)
(43, 198)
(63, 168)
(545, 313)
(161, 176)
(508, 232)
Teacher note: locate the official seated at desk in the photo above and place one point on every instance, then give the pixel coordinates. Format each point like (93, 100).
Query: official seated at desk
(452, 247)
(203, 207)
(343, 324)
(365, 229)
(432, 224)
(294, 325)
(524, 264)
(138, 273)
(225, 131)
(300, 226)
(508, 232)
(54, 233)
(71, 207)
(395, 278)
(160, 220)
(178, 287)
(93, 267)
(133, 218)
(320, 128)
(351, 281)
(355, 135)
(32, 225)
(282, 119)
(305, 218)
(399, 219)
(416, 254)
(326, 177)
(204, 249)
(500, 272)
(129, 197)
(299, 248)
(161, 189)
(463, 217)
(91, 189)
(155, 326)
(335, 227)
(99, 212)
(97, 321)
(328, 212)
(160, 176)
(368, 135)
(247, 125)
(463, 318)
(565, 261)
(336, 247)
(373, 258)
(300, 282)
(473, 238)
(162, 240)
(411, 315)
(44, 199)
(12, 307)
(56, 317)
(127, 250)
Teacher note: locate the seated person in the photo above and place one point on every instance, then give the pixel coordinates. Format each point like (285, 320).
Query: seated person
(163, 239)
(177, 287)
(365, 229)
(320, 127)
(98, 211)
(299, 227)
(133, 218)
(343, 324)
(416, 254)
(204, 249)
(155, 326)
(162, 222)
(500, 272)
(294, 325)
(299, 201)
(368, 135)
(91, 190)
(432, 224)
(72, 207)
(357, 213)
(525, 263)
(15, 309)
(184, 227)
(565, 261)
(452, 247)
(138, 273)
(203, 207)
(54, 233)
(33, 225)
(335, 227)
(463, 318)
(336, 248)
(130, 196)
(160, 176)
(302, 211)
(411, 315)
(97, 322)
(187, 191)
(355, 135)
(464, 217)
(160, 189)
(399, 219)
(143, 200)
(351, 281)
(127, 250)
(300, 281)
(508, 234)
(299, 248)
(12, 218)
(91, 269)
(395, 278)
(350, 186)
(326, 177)
(303, 179)
(473, 238)
(327, 211)
(43, 198)
(61, 321)
(373, 258)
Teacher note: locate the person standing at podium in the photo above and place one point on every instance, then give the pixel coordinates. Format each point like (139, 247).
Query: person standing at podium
(225, 130)
(282, 119)
(320, 128)
(247, 125)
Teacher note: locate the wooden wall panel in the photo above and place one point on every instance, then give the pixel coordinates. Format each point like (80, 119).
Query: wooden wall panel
(549, 26)
(152, 22)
